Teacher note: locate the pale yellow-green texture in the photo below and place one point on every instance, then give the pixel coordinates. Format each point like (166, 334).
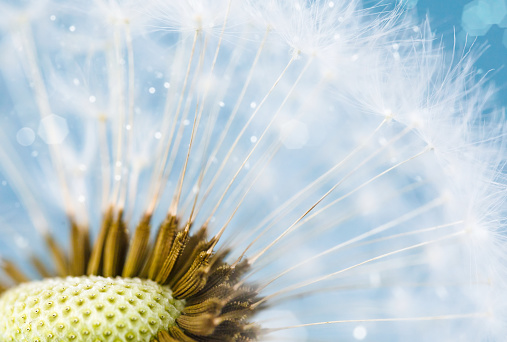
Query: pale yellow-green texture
(87, 309)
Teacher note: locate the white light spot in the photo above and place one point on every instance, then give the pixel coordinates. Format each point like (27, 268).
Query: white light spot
(396, 56)
(415, 29)
(53, 129)
(442, 292)
(82, 167)
(72, 28)
(221, 104)
(118, 164)
(336, 36)
(330, 4)
(360, 332)
(167, 85)
(152, 90)
(128, 127)
(92, 99)
(21, 241)
(195, 189)
(76, 82)
(253, 139)
(52, 17)
(253, 105)
(396, 46)
(375, 280)
(25, 136)
(294, 135)
(158, 135)
(81, 199)
(354, 58)
(4, 183)
(117, 177)
(35, 154)
(186, 123)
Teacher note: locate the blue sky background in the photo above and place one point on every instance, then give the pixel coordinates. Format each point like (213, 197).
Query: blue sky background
(485, 22)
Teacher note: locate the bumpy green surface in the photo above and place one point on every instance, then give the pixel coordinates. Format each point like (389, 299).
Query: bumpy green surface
(87, 309)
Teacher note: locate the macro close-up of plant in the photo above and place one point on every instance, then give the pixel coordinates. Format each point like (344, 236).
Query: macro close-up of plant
(225, 170)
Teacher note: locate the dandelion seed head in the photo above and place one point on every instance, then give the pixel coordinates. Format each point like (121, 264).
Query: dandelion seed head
(135, 308)
(311, 170)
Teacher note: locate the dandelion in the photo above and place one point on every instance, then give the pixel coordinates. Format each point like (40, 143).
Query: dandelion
(240, 171)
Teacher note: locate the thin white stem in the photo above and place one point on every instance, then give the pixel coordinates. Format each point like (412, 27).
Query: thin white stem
(159, 171)
(232, 117)
(349, 214)
(338, 200)
(119, 77)
(270, 156)
(242, 132)
(130, 114)
(20, 183)
(289, 246)
(203, 104)
(395, 319)
(105, 162)
(233, 146)
(293, 201)
(168, 126)
(42, 100)
(414, 232)
(174, 205)
(382, 256)
(293, 225)
(355, 286)
(386, 226)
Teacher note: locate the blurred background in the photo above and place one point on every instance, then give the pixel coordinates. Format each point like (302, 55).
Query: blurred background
(479, 22)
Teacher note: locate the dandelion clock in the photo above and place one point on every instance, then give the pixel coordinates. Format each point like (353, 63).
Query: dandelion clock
(245, 171)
